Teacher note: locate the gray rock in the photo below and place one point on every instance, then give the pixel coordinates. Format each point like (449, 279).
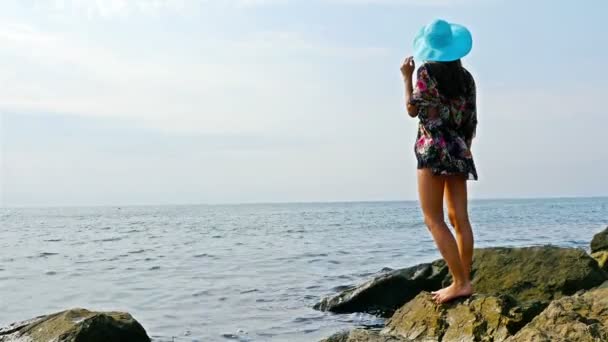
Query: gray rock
(477, 318)
(579, 318)
(385, 293)
(538, 273)
(600, 241)
(361, 335)
(77, 325)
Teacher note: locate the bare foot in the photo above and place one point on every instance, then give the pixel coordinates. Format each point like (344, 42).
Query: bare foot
(436, 294)
(451, 292)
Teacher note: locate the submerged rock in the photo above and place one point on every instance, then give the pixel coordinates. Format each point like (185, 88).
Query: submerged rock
(578, 318)
(77, 325)
(385, 293)
(600, 241)
(539, 273)
(477, 318)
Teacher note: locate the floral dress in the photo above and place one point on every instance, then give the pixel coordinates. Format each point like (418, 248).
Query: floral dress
(445, 135)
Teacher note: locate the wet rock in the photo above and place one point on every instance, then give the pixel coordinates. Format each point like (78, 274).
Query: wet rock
(578, 318)
(77, 325)
(385, 293)
(361, 335)
(539, 273)
(600, 241)
(477, 318)
(535, 273)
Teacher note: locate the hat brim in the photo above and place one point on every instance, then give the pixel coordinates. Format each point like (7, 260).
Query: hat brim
(460, 46)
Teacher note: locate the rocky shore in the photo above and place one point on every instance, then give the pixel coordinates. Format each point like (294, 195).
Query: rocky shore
(540, 293)
(77, 325)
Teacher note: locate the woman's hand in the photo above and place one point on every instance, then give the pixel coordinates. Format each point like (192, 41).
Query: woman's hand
(407, 69)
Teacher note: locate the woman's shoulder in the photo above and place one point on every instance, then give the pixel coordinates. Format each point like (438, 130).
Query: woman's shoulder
(468, 76)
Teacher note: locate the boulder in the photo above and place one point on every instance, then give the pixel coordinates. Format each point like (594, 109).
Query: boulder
(539, 273)
(477, 318)
(602, 259)
(386, 292)
(534, 273)
(600, 241)
(578, 318)
(77, 325)
(362, 335)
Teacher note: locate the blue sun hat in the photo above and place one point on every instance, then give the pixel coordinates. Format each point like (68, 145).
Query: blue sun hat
(441, 41)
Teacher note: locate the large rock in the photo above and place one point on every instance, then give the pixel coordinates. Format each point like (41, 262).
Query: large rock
(578, 318)
(535, 273)
(77, 325)
(529, 273)
(477, 318)
(600, 241)
(385, 293)
(362, 335)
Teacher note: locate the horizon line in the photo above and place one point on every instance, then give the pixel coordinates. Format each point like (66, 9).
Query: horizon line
(286, 202)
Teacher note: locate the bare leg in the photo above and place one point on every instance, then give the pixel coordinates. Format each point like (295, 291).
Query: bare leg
(456, 198)
(430, 190)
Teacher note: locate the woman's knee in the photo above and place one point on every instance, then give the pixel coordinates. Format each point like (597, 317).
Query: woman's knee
(453, 218)
(458, 220)
(434, 222)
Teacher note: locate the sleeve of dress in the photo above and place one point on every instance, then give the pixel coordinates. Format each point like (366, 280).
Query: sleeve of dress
(425, 92)
(470, 126)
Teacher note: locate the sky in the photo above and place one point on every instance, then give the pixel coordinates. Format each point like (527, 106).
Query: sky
(143, 102)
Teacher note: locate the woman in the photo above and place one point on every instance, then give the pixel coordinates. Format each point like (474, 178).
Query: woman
(443, 99)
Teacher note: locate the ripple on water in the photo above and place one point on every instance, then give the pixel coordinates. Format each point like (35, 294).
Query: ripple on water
(110, 239)
(204, 255)
(314, 255)
(131, 231)
(201, 293)
(264, 300)
(42, 255)
(308, 319)
(138, 251)
(341, 288)
(230, 336)
(249, 291)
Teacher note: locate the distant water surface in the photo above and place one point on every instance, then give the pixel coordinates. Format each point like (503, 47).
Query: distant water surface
(243, 272)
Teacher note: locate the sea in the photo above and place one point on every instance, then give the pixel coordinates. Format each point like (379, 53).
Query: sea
(248, 272)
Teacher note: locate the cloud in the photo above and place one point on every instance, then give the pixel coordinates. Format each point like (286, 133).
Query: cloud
(105, 8)
(112, 7)
(245, 84)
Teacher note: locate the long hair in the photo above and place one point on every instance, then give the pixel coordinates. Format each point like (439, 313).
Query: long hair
(453, 80)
